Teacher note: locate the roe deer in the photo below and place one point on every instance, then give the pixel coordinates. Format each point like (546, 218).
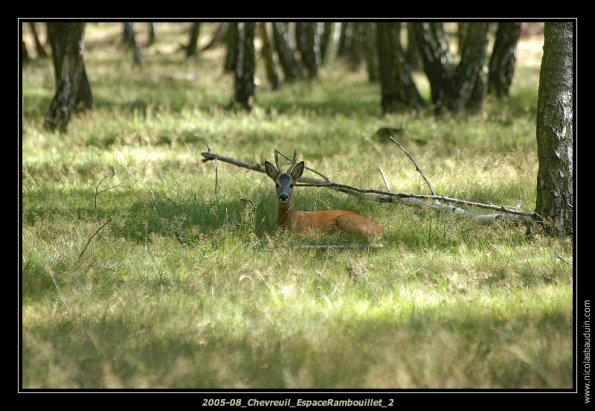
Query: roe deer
(305, 222)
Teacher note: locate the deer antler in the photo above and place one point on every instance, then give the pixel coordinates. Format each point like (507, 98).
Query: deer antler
(277, 160)
(293, 161)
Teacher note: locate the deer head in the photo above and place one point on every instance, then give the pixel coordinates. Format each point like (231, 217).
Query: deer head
(284, 181)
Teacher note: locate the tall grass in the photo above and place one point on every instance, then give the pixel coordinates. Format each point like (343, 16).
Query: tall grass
(189, 287)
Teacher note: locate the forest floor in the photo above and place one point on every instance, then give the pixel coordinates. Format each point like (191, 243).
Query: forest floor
(137, 273)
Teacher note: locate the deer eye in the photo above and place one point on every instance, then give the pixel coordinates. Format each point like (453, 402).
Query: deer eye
(277, 185)
(291, 186)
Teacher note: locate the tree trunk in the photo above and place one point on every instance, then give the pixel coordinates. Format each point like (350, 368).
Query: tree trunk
(269, 59)
(220, 33)
(290, 66)
(398, 89)
(152, 33)
(24, 53)
(325, 38)
(458, 88)
(345, 39)
(245, 66)
(371, 51)
(356, 47)
(72, 86)
(413, 56)
(232, 48)
(555, 183)
(300, 38)
(475, 101)
(39, 49)
(503, 59)
(332, 48)
(437, 60)
(467, 88)
(192, 47)
(129, 38)
(310, 49)
(462, 29)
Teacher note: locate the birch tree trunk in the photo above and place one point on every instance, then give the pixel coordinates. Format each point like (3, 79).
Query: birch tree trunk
(555, 179)
(398, 89)
(503, 59)
(245, 66)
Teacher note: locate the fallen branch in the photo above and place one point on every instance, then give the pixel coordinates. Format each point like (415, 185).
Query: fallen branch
(385, 196)
(209, 156)
(325, 178)
(416, 200)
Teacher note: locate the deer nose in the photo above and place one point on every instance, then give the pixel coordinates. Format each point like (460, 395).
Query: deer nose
(284, 197)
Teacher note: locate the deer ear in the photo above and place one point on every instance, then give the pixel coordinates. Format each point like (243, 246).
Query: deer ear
(297, 171)
(271, 170)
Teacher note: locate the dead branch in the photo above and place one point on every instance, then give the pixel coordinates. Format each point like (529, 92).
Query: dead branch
(416, 200)
(414, 163)
(216, 179)
(354, 275)
(209, 156)
(559, 257)
(385, 180)
(90, 238)
(98, 191)
(325, 178)
(385, 196)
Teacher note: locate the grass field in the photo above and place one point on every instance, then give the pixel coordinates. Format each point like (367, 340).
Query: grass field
(188, 288)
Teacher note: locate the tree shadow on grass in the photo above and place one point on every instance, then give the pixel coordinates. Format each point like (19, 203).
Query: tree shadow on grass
(190, 218)
(123, 351)
(119, 353)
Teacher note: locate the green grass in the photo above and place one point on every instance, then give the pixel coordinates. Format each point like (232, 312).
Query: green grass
(445, 303)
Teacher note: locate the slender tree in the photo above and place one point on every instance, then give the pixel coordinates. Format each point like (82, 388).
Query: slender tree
(245, 66)
(355, 56)
(24, 53)
(436, 56)
(218, 36)
(555, 178)
(39, 49)
(325, 38)
(129, 39)
(192, 47)
(300, 33)
(332, 48)
(462, 30)
(269, 58)
(345, 39)
(72, 86)
(503, 59)
(152, 33)
(309, 38)
(413, 56)
(467, 87)
(457, 88)
(371, 51)
(232, 48)
(398, 89)
(289, 64)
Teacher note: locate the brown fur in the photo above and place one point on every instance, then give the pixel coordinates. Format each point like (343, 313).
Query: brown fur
(305, 222)
(330, 220)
